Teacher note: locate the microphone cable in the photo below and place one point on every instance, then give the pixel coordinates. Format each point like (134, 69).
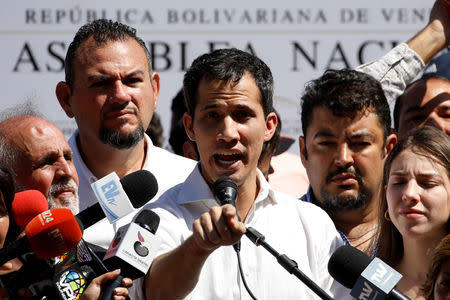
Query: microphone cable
(237, 248)
(238, 254)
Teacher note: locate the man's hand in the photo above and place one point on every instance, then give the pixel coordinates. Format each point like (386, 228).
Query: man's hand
(95, 288)
(218, 227)
(436, 35)
(440, 19)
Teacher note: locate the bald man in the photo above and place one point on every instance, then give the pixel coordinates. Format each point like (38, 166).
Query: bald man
(39, 157)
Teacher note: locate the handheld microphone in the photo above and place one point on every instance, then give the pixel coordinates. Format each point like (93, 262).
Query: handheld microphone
(49, 234)
(367, 279)
(138, 188)
(132, 249)
(27, 205)
(225, 191)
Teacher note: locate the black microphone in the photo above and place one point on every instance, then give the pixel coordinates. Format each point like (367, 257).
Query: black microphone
(140, 186)
(225, 191)
(367, 279)
(132, 249)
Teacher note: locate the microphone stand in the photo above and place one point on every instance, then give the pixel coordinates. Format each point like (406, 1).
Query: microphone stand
(287, 263)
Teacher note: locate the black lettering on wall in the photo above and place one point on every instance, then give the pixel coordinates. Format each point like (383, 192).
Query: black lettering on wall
(26, 58)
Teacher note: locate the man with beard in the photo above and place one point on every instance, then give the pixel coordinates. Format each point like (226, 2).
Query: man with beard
(112, 92)
(346, 137)
(38, 157)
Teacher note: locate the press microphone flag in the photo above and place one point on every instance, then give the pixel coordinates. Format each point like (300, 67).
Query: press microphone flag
(134, 245)
(367, 279)
(112, 198)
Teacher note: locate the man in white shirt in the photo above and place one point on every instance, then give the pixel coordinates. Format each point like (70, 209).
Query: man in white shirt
(229, 95)
(112, 92)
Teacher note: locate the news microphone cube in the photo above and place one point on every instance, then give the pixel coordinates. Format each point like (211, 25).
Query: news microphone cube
(376, 281)
(132, 249)
(112, 197)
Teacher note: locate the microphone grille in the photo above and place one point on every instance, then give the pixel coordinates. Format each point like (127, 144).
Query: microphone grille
(224, 182)
(346, 264)
(140, 186)
(148, 218)
(26, 205)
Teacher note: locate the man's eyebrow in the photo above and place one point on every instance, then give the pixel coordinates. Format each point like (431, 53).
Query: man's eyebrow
(323, 134)
(209, 106)
(97, 77)
(413, 108)
(47, 156)
(360, 135)
(136, 73)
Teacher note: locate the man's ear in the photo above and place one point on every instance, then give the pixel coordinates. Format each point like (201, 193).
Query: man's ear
(303, 153)
(63, 93)
(188, 123)
(391, 140)
(271, 125)
(156, 85)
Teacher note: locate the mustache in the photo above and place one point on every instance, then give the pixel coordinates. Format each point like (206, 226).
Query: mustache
(118, 107)
(339, 171)
(67, 183)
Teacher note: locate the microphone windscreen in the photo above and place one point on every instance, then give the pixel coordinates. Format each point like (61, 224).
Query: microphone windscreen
(140, 186)
(149, 219)
(53, 233)
(27, 205)
(346, 264)
(225, 190)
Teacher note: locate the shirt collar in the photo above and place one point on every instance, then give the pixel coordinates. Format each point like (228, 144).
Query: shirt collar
(196, 189)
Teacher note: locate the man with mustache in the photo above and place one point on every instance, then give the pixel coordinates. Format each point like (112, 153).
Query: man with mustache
(346, 137)
(111, 92)
(38, 157)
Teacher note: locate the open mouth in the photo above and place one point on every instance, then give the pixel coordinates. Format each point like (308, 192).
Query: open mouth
(227, 159)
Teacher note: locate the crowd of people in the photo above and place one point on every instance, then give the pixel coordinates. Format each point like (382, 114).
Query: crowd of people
(363, 179)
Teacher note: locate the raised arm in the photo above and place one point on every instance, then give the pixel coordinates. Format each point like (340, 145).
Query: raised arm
(396, 69)
(175, 274)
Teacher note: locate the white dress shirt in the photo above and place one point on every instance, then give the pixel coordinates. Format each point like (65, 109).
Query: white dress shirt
(300, 230)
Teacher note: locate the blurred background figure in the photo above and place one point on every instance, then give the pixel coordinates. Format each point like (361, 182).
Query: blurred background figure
(437, 285)
(415, 205)
(155, 130)
(6, 198)
(282, 169)
(178, 139)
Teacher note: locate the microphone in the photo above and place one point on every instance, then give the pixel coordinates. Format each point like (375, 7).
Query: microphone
(138, 188)
(27, 205)
(367, 279)
(49, 234)
(225, 191)
(132, 249)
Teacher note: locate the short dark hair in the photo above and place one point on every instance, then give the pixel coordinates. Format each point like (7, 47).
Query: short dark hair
(228, 65)
(155, 130)
(346, 93)
(102, 31)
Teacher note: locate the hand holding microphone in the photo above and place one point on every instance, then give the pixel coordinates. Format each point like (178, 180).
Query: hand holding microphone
(97, 286)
